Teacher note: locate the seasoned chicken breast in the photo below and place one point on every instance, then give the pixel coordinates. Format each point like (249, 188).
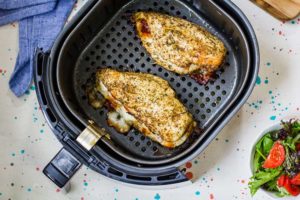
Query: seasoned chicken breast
(147, 103)
(179, 45)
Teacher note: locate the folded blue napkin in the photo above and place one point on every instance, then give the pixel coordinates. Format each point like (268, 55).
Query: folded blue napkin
(40, 23)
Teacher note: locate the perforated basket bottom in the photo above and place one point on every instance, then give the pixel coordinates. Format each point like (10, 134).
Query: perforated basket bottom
(117, 46)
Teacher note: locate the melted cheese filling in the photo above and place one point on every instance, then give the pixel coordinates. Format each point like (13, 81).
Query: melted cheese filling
(129, 119)
(118, 122)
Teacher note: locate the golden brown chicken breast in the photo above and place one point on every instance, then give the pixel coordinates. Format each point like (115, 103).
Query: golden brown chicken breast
(179, 45)
(147, 103)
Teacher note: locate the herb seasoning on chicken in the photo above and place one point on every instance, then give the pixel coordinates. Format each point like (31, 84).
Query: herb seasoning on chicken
(179, 45)
(147, 103)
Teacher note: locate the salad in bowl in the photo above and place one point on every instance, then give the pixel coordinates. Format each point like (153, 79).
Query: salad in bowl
(276, 161)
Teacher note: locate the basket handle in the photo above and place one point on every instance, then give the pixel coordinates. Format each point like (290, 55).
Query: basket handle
(62, 167)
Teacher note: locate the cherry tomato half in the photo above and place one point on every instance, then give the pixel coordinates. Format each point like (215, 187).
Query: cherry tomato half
(292, 189)
(296, 179)
(281, 180)
(276, 156)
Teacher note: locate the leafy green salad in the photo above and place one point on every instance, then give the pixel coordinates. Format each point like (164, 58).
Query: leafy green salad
(276, 162)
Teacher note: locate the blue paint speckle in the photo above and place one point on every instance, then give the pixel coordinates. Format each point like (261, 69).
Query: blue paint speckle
(266, 81)
(22, 151)
(258, 80)
(157, 197)
(29, 189)
(197, 193)
(268, 64)
(273, 117)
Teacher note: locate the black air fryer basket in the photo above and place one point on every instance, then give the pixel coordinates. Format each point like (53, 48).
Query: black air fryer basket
(101, 35)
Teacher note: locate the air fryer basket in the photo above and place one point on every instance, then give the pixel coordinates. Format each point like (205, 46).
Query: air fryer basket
(106, 37)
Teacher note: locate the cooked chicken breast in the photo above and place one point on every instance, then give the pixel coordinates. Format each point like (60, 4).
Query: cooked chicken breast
(147, 103)
(179, 45)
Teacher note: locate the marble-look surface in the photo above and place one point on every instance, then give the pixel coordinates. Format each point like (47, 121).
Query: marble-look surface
(221, 172)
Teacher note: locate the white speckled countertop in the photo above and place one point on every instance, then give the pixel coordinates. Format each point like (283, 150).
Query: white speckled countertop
(221, 172)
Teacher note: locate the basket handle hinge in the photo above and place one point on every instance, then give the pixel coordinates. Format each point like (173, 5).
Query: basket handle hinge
(91, 135)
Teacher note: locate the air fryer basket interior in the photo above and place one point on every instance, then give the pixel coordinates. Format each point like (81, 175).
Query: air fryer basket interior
(106, 37)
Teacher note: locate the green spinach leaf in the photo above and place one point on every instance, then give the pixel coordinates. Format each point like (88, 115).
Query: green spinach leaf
(267, 144)
(257, 162)
(288, 142)
(262, 177)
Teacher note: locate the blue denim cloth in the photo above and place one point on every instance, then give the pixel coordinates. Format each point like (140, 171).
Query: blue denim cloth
(15, 10)
(40, 23)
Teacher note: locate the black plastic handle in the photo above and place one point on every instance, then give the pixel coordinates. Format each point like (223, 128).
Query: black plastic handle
(62, 167)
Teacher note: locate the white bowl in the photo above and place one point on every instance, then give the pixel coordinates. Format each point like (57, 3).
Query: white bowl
(270, 194)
